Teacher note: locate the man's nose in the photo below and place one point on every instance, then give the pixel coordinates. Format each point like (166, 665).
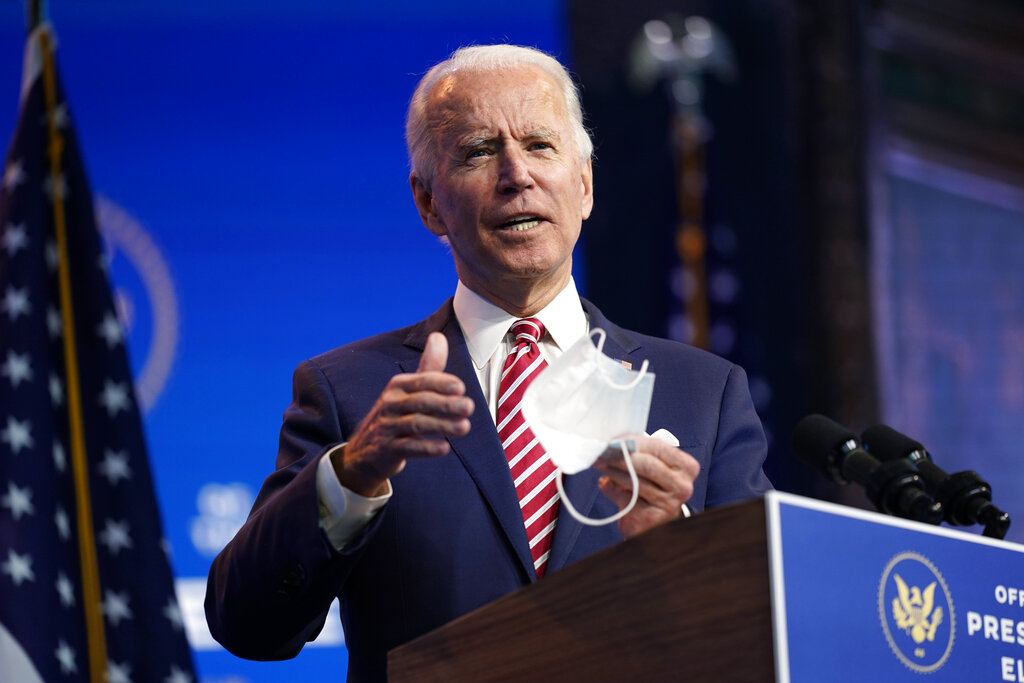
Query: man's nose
(514, 171)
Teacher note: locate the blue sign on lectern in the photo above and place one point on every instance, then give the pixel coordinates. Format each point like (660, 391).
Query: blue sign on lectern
(858, 596)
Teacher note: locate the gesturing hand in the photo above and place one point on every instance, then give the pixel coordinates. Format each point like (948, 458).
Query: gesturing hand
(410, 419)
(666, 477)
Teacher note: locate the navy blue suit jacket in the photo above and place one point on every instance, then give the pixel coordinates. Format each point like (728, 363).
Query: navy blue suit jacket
(451, 538)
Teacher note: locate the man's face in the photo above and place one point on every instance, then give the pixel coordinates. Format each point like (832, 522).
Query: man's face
(509, 189)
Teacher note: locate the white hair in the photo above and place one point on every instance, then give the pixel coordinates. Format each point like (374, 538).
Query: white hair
(418, 132)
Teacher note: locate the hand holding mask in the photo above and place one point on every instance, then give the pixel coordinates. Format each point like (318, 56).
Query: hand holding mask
(581, 404)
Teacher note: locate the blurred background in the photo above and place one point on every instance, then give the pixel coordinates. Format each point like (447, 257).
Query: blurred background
(828, 192)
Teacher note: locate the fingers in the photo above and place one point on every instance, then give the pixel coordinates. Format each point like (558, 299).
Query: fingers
(437, 410)
(665, 474)
(398, 402)
(439, 382)
(617, 494)
(419, 425)
(673, 458)
(658, 485)
(413, 416)
(426, 403)
(430, 374)
(435, 354)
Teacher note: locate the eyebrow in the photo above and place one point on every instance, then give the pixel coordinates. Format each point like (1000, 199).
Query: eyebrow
(476, 140)
(473, 141)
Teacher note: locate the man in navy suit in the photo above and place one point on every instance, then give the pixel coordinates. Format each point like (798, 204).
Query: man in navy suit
(392, 489)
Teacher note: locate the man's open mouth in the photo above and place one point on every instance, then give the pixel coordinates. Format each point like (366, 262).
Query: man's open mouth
(521, 223)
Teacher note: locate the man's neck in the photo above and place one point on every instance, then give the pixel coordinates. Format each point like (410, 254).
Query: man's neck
(520, 300)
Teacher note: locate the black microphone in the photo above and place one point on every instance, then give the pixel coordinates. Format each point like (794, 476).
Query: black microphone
(966, 498)
(894, 487)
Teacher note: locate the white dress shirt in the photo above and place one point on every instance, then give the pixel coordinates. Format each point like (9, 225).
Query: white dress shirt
(343, 513)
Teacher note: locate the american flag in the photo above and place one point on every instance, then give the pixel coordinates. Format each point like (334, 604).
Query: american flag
(86, 590)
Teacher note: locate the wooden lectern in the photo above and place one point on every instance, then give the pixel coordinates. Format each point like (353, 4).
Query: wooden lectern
(689, 600)
(786, 588)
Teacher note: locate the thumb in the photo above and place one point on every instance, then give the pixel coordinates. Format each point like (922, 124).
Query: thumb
(435, 354)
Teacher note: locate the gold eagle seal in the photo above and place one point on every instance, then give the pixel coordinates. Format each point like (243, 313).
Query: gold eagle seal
(916, 611)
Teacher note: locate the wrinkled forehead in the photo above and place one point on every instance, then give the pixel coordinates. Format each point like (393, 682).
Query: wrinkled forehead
(521, 95)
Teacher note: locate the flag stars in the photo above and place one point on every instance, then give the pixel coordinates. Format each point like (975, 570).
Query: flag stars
(115, 536)
(14, 175)
(18, 567)
(52, 256)
(14, 239)
(54, 323)
(115, 607)
(18, 501)
(63, 524)
(17, 434)
(114, 397)
(34, 369)
(118, 673)
(115, 466)
(16, 368)
(178, 676)
(56, 390)
(66, 590)
(66, 656)
(15, 302)
(173, 614)
(60, 459)
(110, 330)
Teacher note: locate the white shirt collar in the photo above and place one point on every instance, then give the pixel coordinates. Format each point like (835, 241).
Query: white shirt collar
(484, 325)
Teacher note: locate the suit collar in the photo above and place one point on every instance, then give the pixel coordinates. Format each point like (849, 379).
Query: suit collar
(619, 340)
(438, 321)
(485, 325)
(619, 343)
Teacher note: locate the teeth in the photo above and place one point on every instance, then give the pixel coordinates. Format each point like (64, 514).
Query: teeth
(519, 227)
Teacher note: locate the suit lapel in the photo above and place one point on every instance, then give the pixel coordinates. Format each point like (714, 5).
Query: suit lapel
(480, 451)
(619, 343)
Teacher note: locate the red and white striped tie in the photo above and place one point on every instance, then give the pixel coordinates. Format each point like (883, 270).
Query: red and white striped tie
(532, 470)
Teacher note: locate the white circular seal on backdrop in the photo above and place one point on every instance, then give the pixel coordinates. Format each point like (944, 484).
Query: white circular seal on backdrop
(123, 235)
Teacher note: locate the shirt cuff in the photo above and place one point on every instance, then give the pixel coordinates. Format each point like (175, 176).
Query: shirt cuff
(343, 513)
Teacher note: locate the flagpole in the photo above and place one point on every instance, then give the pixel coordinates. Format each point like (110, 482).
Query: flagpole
(95, 635)
(69, 395)
(36, 11)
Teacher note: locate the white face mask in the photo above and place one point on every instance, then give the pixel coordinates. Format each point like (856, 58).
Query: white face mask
(581, 404)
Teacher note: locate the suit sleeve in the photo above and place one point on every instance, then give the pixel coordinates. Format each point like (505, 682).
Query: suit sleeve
(270, 588)
(737, 460)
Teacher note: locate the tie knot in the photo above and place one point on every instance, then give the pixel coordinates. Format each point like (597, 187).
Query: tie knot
(527, 330)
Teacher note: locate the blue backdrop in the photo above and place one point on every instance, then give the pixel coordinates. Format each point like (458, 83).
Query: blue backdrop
(250, 167)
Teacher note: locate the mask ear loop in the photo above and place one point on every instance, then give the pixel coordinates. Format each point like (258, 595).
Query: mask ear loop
(618, 515)
(639, 374)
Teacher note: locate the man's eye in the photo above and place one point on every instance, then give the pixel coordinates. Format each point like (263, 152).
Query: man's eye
(477, 153)
(540, 145)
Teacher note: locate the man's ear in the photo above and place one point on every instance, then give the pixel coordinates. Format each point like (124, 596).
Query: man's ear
(425, 205)
(587, 185)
